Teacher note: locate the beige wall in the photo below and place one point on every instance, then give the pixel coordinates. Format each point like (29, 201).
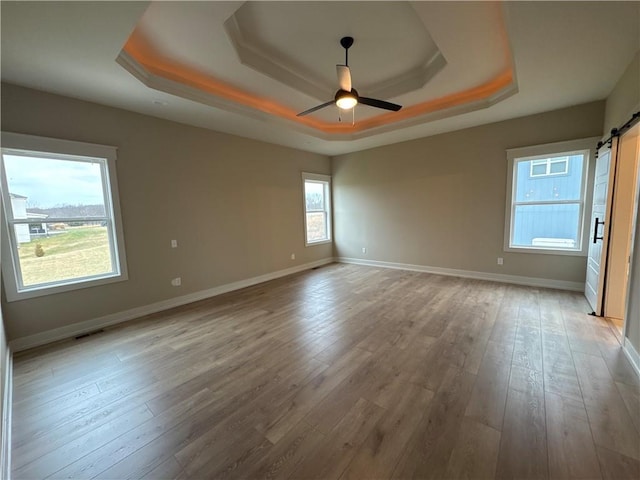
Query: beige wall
(624, 100)
(233, 204)
(440, 201)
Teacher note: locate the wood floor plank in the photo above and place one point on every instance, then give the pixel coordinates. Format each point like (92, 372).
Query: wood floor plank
(293, 409)
(527, 352)
(487, 402)
(523, 444)
(611, 425)
(50, 418)
(500, 351)
(64, 401)
(229, 458)
(242, 419)
(594, 376)
(631, 398)
(613, 428)
(476, 452)
(57, 458)
(326, 414)
(111, 453)
(168, 470)
(438, 432)
(619, 366)
(572, 452)
(331, 458)
(526, 380)
(560, 375)
(298, 444)
(616, 466)
(382, 449)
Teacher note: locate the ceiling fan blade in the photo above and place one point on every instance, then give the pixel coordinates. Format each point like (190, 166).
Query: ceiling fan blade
(344, 77)
(318, 107)
(372, 102)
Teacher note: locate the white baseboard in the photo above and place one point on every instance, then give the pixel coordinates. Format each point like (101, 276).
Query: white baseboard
(75, 329)
(5, 435)
(632, 355)
(494, 277)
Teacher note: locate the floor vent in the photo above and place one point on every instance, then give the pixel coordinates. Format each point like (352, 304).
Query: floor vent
(95, 332)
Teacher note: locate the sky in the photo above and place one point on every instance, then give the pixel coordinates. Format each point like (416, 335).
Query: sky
(48, 183)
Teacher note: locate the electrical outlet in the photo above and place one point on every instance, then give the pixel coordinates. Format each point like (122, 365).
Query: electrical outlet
(176, 282)
(293, 256)
(364, 249)
(500, 260)
(174, 243)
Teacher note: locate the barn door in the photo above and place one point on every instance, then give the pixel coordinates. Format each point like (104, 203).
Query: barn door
(600, 225)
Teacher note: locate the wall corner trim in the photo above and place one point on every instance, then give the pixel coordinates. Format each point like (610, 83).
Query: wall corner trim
(632, 354)
(493, 277)
(5, 434)
(68, 331)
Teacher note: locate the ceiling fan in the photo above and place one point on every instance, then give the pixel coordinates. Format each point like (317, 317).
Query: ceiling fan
(347, 98)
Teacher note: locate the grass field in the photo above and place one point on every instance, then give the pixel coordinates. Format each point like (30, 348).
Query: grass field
(316, 229)
(78, 252)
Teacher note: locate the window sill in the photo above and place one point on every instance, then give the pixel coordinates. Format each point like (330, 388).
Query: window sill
(14, 295)
(320, 242)
(546, 251)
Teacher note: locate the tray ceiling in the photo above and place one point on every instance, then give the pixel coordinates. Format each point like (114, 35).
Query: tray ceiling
(278, 58)
(247, 68)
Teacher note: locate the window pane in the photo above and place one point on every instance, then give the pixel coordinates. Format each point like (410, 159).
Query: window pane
(549, 187)
(539, 169)
(314, 195)
(316, 226)
(63, 252)
(551, 226)
(53, 187)
(558, 167)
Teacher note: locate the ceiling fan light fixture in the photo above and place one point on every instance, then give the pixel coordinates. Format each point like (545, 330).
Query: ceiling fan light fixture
(346, 100)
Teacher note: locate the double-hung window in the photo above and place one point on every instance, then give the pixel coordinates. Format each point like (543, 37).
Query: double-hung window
(317, 205)
(546, 196)
(62, 227)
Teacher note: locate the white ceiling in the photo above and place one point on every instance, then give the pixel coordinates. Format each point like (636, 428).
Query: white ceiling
(562, 54)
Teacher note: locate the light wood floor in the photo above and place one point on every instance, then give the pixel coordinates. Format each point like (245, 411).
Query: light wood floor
(343, 372)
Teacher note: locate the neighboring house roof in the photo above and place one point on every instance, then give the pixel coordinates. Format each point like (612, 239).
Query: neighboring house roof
(36, 215)
(15, 195)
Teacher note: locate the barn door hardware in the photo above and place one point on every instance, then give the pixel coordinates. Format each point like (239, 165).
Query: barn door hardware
(595, 230)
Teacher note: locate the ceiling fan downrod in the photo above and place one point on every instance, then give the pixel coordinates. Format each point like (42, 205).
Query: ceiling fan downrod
(346, 43)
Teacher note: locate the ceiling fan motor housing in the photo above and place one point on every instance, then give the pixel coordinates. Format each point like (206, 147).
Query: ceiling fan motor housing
(343, 93)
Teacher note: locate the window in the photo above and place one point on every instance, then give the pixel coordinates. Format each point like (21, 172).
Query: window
(317, 203)
(546, 190)
(549, 166)
(62, 227)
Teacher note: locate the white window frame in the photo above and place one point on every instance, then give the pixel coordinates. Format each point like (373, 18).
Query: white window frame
(585, 146)
(325, 180)
(547, 162)
(14, 143)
